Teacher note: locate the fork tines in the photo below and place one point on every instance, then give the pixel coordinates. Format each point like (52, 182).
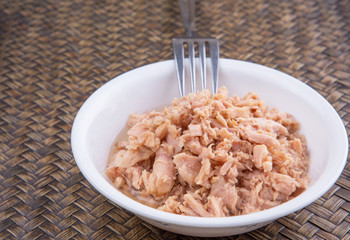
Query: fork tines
(191, 43)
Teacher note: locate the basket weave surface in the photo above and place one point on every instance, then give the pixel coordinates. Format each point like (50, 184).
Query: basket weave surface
(54, 54)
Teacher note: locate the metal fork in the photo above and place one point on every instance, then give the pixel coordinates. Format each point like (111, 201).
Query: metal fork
(187, 8)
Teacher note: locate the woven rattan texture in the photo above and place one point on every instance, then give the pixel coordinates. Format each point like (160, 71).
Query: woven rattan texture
(55, 53)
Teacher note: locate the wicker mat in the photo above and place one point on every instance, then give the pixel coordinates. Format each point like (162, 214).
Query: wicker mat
(55, 53)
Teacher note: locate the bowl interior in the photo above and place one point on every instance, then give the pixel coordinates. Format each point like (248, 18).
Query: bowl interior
(105, 113)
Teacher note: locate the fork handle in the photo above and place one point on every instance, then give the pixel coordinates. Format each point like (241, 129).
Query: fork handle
(187, 12)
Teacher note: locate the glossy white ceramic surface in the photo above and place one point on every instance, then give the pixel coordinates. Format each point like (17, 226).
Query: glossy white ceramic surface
(106, 111)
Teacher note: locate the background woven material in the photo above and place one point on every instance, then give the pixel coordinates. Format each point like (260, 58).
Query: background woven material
(55, 53)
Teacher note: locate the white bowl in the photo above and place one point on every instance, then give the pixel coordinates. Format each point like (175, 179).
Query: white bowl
(106, 111)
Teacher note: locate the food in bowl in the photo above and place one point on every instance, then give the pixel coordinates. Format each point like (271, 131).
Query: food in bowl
(105, 113)
(211, 156)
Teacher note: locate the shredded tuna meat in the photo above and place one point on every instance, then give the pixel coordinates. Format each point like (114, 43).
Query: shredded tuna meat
(211, 156)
